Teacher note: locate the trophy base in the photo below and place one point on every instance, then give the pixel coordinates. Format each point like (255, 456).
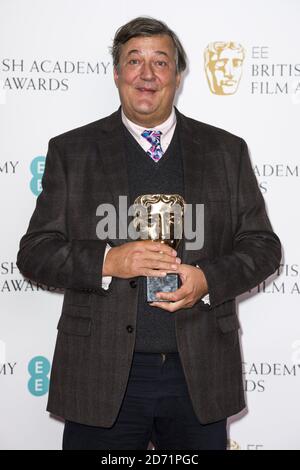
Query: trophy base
(169, 283)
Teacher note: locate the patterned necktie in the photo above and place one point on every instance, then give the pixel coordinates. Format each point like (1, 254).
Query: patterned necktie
(153, 137)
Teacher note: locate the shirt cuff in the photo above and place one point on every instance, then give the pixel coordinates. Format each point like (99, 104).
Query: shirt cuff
(106, 280)
(205, 299)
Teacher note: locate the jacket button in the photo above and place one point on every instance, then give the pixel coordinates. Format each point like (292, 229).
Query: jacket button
(133, 284)
(129, 328)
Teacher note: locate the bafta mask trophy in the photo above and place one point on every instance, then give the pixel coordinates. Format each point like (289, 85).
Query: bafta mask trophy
(159, 217)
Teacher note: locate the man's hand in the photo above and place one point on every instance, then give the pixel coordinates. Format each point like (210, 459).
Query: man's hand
(140, 258)
(194, 286)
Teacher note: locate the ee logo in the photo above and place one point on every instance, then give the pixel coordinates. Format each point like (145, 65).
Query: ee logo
(37, 168)
(38, 368)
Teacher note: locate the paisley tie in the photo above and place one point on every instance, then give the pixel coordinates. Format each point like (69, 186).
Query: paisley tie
(153, 137)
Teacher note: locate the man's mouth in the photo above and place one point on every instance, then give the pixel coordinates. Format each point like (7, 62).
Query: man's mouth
(146, 90)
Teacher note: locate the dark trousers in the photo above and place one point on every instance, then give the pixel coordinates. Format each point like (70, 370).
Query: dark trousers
(156, 408)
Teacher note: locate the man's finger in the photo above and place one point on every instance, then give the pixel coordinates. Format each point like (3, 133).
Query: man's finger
(160, 247)
(160, 256)
(153, 273)
(175, 296)
(162, 265)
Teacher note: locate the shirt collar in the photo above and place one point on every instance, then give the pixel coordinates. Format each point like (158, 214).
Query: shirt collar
(137, 130)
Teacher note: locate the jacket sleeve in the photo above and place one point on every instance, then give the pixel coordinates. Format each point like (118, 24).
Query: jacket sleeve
(256, 249)
(46, 254)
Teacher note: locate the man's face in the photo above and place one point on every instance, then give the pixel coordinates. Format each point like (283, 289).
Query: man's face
(226, 71)
(146, 79)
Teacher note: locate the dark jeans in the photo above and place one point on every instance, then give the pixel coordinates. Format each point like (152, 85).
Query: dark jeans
(156, 408)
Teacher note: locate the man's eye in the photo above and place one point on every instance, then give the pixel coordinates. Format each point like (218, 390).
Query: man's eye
(134, 61)
(161, 63)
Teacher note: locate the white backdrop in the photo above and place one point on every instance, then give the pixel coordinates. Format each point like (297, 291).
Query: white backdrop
(56, 74)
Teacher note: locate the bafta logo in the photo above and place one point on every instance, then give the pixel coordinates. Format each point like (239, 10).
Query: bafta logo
(223, 66)
(233, 445)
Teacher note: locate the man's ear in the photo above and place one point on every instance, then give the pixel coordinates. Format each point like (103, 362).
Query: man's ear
(178, 80)
(116, 76)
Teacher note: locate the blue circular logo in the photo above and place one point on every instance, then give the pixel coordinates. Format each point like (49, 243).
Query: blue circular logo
(37, 168)
(38, 368)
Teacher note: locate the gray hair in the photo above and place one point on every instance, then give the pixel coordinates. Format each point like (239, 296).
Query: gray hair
(147, 26)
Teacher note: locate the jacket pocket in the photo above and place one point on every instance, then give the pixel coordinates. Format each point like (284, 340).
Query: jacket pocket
(74, 325)
(228, 323)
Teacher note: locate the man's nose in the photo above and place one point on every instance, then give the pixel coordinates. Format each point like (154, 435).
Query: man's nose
(147, 71)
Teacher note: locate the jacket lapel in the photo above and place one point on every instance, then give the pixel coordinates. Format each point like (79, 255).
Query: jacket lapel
(111, 149)
(193, 156)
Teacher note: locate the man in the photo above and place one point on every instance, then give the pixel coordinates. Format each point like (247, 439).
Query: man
(124, 371)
